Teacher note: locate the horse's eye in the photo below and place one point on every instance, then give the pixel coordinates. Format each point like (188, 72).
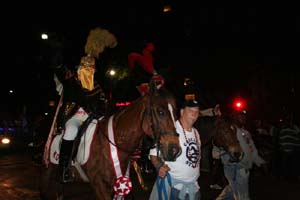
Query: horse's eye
(161, 112)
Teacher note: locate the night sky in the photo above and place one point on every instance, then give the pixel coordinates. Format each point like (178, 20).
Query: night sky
(225, 49)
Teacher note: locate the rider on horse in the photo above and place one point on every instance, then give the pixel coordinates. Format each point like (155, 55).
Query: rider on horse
(83, 98)
(79, 102)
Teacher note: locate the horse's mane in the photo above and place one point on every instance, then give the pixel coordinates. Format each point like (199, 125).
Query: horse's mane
(222, 121)
(161, 95)
(208, 127)
(205, 126)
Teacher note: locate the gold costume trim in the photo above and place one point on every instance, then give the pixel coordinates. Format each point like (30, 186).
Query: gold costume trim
(86, 72)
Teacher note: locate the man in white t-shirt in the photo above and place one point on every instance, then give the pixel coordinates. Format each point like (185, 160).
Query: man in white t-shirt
(179, 179)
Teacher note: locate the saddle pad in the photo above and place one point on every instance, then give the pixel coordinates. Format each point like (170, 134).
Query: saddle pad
(55, 149)
(83, 149)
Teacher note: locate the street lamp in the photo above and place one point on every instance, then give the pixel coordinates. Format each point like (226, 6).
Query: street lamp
(112, 74)
(44, 36)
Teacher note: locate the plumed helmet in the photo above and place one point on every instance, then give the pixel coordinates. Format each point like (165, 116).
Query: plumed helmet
(87, 61)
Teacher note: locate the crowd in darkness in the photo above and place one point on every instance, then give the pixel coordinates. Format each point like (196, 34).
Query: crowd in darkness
(279, 144)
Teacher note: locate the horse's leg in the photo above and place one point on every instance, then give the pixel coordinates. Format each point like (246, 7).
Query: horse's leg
(100, 188)
(100, 181)
(48, 183)
(59, 191)
(99, 170)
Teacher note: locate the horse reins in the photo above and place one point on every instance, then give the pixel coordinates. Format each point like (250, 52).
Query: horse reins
(122, 149)
(223, 149)
(153, 127)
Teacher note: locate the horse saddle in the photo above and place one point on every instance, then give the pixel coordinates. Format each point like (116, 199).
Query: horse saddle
(85, 142)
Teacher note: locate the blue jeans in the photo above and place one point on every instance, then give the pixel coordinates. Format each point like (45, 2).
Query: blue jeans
(175, 194)
(172, 194)
(238, 187)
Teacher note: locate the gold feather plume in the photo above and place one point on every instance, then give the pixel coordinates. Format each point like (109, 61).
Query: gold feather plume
(97, 40)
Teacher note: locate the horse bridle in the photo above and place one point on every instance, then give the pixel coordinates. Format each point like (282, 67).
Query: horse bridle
(155, 124)
(224, 150)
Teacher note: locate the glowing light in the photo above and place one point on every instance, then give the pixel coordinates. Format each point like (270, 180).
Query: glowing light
(5, 141)
(167, 8)
(51, 103)
(239, 104)
(189, 97)
(44, 36)
(122, 104)
(112, 72)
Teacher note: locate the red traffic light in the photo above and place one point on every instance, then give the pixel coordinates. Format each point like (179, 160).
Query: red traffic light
(239, 104)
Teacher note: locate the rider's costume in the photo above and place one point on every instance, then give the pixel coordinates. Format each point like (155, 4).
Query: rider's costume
(83, 98)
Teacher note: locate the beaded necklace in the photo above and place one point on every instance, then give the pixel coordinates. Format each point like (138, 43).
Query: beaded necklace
(197, 143)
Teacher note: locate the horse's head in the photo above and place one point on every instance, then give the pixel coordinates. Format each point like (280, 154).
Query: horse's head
(225, 137)
(159, 123)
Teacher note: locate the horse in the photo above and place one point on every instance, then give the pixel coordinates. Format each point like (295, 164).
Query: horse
(220, 132)
(117, 137)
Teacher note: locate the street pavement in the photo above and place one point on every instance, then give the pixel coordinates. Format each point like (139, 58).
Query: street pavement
(18, 177)
(19, 180)
(262, 187)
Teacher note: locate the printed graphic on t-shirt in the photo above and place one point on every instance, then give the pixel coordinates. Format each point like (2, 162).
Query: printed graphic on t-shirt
(192, 153)
(248, 141)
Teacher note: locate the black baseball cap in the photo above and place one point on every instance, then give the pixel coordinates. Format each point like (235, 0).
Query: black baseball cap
(190, 103)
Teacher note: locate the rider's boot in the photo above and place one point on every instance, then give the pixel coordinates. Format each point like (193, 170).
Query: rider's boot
(64, 161)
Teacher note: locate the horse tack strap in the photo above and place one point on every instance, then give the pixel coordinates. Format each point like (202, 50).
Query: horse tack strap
(123, 184)
(81, 172)
(162, 188)
(113, 149)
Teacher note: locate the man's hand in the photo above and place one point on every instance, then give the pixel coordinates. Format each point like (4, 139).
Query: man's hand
(163, 171)
(217, 111)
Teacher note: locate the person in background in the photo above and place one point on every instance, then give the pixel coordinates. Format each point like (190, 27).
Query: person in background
(289, 148)
(237, 173)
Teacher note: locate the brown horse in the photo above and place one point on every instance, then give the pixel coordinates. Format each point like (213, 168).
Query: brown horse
(221, 132)
(152, 115)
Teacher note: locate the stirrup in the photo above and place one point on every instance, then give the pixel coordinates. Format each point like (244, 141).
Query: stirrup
(66, 176)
